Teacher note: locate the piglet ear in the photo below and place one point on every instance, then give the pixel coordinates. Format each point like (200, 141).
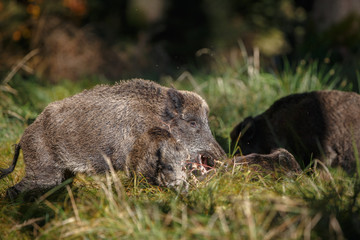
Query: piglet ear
(246, 128)
(176, 99)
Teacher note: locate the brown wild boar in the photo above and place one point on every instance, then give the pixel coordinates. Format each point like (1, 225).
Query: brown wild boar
(73, 134)
(160, 158)
(322, 124)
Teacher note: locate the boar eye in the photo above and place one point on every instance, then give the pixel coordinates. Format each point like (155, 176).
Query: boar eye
(193, 124)
(169, 168)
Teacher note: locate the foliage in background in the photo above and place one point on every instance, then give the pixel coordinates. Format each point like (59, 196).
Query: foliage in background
(156, 37)
(218, 23)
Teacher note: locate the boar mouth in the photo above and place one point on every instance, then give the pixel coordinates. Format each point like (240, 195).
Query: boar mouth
(205, 160)
(201, 164)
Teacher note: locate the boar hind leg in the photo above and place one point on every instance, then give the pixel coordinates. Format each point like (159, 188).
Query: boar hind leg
(32, 185)
(42, 171)
(37, 182)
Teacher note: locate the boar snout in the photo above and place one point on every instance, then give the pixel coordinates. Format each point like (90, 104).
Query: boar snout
(205, 160)
(216, 151)
(207, 157)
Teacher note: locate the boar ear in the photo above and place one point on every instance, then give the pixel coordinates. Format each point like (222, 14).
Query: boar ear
(243, 132)
(247, 128)
(159, 133)
(176, 99)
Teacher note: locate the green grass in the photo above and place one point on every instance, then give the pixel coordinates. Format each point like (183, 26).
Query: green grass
(232, 204)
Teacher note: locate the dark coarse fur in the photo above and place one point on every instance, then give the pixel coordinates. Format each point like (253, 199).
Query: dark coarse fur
(322, 124)
(279, 160)
(160, 158)
(74, 134)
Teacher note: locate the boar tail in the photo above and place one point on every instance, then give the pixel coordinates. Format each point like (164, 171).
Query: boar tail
(5, 172)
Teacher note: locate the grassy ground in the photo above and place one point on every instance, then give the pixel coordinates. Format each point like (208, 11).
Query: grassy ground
(231, 204)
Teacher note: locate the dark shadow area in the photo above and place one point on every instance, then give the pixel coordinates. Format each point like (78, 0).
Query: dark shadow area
(333, 209)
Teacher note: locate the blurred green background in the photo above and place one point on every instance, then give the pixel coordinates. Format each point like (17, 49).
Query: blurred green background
(152, 38)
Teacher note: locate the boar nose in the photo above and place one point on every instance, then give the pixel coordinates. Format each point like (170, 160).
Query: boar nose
(217, 150)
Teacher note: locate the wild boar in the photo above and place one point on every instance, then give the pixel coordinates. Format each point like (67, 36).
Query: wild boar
(322, 124)
(77, 132)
